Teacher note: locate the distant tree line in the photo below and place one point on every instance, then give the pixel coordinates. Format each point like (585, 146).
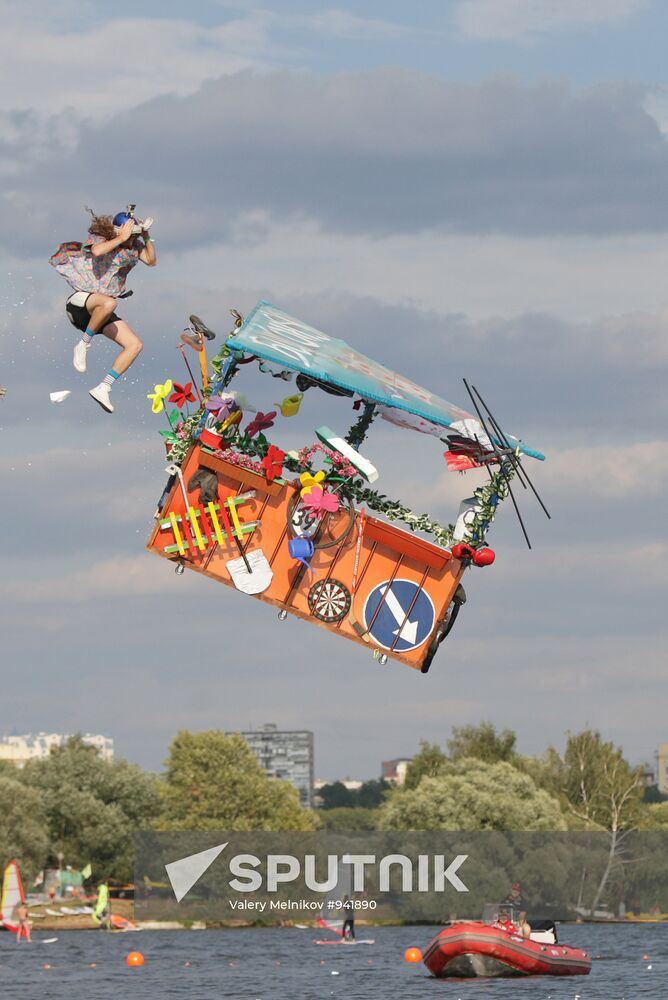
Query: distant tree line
(77, 805)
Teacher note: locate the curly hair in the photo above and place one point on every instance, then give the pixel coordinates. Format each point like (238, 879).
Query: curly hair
(101, 225)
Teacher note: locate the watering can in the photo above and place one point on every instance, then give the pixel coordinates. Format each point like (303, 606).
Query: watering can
(290, 405)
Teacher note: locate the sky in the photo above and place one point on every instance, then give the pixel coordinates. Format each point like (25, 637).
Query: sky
(473, 188)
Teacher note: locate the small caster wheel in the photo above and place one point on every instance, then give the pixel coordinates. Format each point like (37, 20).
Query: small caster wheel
(382, 659)
(282, 615)
(179, 569)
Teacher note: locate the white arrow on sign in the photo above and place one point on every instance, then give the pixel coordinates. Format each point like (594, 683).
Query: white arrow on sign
(186, 871)
(409, 631)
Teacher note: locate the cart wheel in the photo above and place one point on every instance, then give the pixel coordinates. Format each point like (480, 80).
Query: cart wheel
(179, 569)
(329, 600)
(282, 616)
(444, 626)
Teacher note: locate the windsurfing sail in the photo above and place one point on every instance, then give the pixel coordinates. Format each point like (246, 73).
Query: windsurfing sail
(12, 894)
(278, 337)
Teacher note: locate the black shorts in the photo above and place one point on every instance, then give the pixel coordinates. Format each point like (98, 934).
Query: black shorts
(78, 314)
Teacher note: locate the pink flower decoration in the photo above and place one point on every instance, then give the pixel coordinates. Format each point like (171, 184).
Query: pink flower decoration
(316, 499)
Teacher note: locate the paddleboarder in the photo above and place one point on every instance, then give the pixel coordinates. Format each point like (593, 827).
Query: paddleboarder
(348, 929)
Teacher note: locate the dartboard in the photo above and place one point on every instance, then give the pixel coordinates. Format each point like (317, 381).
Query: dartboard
(329, 600)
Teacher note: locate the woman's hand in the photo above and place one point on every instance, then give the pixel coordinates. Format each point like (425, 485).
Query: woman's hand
(125, 232)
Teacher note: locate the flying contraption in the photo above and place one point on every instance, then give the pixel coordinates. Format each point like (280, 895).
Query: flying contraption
(307, 530)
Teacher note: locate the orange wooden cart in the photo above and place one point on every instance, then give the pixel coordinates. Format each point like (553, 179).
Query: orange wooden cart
(361, 577)
(405, 585)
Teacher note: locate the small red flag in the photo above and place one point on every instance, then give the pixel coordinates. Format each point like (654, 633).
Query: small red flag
(459, 463)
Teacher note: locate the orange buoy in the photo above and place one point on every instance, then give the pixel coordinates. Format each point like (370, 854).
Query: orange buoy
(412, 955)
(134, 959)
(645, 958)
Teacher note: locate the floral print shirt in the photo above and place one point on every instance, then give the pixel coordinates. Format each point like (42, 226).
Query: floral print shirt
(106, 274)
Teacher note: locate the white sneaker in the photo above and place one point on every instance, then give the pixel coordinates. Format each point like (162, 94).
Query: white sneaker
(80, 356)
(102, 395)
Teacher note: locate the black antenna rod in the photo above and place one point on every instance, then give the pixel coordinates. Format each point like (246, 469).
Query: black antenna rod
(500, 457)
(505, 439)
(517, 465)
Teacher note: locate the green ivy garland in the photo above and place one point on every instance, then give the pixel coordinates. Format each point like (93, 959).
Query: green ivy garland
(359, 429)
(487, 496)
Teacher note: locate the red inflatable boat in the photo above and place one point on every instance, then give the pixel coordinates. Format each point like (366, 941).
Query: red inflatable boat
(474, 948)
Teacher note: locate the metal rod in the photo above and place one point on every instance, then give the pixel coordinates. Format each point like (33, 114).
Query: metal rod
(192, 377)
(503, 436)
(500, 457)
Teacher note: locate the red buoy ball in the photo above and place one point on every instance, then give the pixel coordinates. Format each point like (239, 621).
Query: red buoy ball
(134, 959)
(484, 557)
(412, 955)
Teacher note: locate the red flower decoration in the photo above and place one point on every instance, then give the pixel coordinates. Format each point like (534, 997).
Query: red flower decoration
(260, 422)
(182, 394)
(272, 463)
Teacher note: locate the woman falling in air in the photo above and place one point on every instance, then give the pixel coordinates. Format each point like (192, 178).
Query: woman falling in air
(97, 270)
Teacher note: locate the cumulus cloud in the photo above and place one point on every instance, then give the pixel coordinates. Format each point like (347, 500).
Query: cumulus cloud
(380, 153)
(526, 19)
(105, 67)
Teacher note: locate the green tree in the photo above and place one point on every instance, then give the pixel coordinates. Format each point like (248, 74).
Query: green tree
(472, 795)
(482, 742)
(335, 795)
(603, 792)
(214, 781)
(427, 763)
(654, 817)
(651, 794)
(349, 820)
(24, 832)
(93, 806)
(371, 794)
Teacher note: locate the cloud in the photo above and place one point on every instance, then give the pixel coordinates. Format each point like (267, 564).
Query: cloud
(109, 66)
(119, 576)
(526, 19)
(382, 154)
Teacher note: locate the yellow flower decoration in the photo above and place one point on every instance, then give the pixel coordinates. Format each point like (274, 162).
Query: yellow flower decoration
(308, 481)
(159, 395)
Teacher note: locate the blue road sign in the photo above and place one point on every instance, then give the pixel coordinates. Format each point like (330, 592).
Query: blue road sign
(396, 600)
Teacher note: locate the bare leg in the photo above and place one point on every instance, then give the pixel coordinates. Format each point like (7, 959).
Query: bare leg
(127, 339)
(100, 308)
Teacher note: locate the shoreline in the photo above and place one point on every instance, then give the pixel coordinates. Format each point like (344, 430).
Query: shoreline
(125, 908)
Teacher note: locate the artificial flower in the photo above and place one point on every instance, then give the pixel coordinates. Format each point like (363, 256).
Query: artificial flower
(308, 481)
(159, 395)
(272, 463)
(260, 422)
(182, 394)
(317, 500)
(222, 406)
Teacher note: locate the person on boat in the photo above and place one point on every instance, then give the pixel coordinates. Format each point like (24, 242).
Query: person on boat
(24, 926)
(97, 270)
(348, 929)
(514, 897)
(102, 909)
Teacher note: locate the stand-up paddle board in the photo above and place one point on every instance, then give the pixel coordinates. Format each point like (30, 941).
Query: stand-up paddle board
(345, 943)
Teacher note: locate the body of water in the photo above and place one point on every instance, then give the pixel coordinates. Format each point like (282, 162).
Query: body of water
(263, 963)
